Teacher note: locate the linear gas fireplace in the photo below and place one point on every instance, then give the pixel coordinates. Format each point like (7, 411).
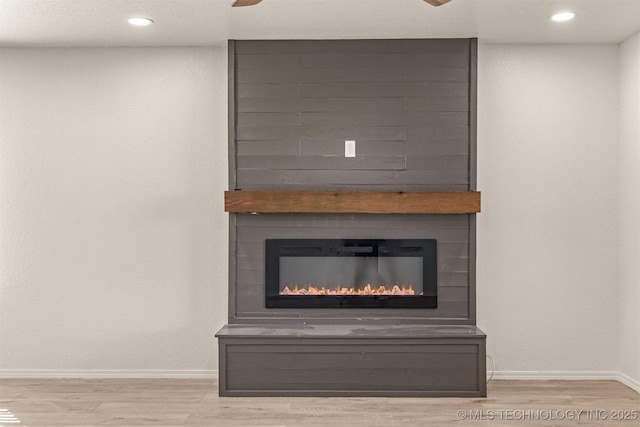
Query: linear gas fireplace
(351, 273)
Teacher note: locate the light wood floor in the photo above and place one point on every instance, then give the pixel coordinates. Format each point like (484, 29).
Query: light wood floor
(196, 402)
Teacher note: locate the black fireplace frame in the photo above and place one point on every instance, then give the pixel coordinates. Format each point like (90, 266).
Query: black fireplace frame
(425, 248)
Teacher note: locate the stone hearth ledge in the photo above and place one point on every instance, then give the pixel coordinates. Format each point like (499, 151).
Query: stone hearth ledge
(350, 331)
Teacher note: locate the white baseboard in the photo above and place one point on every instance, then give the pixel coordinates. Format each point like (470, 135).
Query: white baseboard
(103, 374)
(567, 375)
(629, 382)
(556, 375)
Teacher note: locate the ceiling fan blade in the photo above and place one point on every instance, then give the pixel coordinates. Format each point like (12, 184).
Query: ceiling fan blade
(241, 3)
(437, 2)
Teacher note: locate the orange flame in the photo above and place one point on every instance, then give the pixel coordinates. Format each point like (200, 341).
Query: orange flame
(367, 290)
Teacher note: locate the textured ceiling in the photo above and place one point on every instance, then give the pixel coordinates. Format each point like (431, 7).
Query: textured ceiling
(212, 22)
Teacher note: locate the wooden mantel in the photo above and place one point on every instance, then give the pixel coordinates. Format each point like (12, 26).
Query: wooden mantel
(376, 202)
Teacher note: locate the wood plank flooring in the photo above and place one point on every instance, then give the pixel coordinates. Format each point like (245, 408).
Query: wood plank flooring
(161, 402)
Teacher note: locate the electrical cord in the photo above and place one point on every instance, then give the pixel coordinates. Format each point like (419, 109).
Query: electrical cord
(493, 368)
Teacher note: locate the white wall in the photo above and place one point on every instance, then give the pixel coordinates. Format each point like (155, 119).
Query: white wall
(113, 237)
(629, 211)
(547, 234)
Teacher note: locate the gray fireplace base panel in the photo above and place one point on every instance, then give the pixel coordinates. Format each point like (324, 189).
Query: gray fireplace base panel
(352, 360)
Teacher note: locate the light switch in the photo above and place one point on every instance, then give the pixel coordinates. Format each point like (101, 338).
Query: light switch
(349, 148)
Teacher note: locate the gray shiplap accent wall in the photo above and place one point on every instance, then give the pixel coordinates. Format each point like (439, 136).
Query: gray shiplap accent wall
(408, 105)
(451, 231)
(404, 102)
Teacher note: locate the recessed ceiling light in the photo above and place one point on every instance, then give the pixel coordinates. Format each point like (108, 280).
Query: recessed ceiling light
(140, 22)
(563, 16)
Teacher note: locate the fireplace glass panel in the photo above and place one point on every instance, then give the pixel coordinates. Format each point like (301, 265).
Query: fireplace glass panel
(338, 273)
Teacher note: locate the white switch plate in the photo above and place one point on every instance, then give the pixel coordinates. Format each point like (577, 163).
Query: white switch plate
(349, 148)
